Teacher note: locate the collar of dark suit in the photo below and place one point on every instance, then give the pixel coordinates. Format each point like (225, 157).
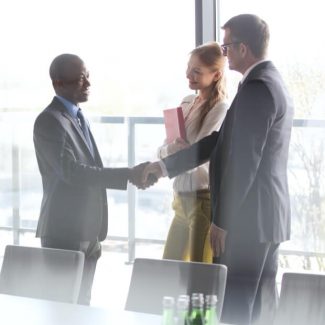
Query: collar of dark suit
(255, 66)
(57, 105)
(253, 73)
(71, 108)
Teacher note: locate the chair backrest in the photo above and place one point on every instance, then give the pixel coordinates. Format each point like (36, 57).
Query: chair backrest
(44, 273)
(152, 279)
(302, 299)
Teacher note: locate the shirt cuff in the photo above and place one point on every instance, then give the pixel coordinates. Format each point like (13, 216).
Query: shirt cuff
(163, 168)
(163, 152)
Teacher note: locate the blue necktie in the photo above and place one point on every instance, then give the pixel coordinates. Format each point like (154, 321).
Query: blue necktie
(85, 130)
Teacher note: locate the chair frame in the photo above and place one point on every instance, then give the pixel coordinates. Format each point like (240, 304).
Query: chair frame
(152, 279)
(44, 273)
(301, 299)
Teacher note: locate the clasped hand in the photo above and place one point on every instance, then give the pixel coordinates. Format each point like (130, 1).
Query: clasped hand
(145, 174)
(177, 145)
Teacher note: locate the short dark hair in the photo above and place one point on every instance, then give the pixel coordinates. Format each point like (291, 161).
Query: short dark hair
(59, 65)
(250, 30)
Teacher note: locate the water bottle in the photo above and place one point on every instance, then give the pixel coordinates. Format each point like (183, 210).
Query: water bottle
(183, 303)
(211, 317)
(168, 311)
(197, 313)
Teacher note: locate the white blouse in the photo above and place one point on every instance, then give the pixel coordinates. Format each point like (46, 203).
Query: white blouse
(197, 178)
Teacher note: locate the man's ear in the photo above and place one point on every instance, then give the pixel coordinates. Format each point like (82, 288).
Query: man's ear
(57, 83)
(243, 49)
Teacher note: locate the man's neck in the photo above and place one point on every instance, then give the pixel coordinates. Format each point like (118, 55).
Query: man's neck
(249, 63)
(250, 68)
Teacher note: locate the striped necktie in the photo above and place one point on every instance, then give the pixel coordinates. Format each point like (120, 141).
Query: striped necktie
(84, 127)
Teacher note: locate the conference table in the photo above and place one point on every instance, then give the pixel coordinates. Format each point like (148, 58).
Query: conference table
(16, 310)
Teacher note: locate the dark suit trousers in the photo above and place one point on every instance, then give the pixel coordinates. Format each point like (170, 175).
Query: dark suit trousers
(92, 251)
(251, 292)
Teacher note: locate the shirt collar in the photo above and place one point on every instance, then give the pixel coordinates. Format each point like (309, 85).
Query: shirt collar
(250, 69)
(71, 108)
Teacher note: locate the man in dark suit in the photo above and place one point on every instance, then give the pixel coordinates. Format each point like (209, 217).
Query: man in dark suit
(248, 172)
(74, 207)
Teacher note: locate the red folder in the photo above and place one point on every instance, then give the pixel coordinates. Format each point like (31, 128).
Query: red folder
(174, 124)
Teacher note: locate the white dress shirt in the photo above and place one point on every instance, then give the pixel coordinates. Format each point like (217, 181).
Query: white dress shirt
(197, 178)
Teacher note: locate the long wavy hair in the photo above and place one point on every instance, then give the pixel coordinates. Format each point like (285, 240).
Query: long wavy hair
(210, 54)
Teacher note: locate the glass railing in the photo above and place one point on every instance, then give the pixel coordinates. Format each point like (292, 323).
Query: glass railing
(144, 216)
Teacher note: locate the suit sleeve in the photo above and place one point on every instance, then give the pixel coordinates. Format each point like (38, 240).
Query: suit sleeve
(191, 157)
(57, 156)
(254, 115)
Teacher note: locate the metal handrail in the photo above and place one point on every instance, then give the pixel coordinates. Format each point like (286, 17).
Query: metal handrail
(131, 122)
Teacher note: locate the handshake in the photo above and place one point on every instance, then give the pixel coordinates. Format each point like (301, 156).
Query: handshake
(145, 174)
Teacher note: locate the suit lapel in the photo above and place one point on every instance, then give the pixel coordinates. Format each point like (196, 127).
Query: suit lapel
(224, 148)
(96, 152)
(78, 129)
(231, 115)
(59, 106)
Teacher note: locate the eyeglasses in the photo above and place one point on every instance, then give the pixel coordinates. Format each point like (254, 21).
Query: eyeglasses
(224, 47)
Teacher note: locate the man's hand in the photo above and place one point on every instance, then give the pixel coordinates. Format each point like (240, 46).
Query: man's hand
(136, 176)
(217, 240)
(152, 171)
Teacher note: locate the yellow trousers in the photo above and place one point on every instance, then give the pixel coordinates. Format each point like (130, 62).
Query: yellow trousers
(188, 236)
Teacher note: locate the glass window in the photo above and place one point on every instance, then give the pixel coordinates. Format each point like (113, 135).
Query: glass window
(296, 47)
(136, 52)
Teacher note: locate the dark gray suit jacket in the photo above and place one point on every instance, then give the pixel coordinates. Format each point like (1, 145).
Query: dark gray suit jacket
(74, 204)
(248, 159)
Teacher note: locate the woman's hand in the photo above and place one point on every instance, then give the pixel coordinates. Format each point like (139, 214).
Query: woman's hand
(177, 145)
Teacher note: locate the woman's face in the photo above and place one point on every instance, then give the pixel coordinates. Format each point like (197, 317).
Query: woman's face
(199, 75)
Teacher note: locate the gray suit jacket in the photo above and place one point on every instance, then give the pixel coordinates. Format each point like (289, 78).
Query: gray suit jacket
(248, 159)
(74, 204)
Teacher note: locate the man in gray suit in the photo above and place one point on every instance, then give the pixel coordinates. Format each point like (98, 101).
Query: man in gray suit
(248, 172)
(74, 205)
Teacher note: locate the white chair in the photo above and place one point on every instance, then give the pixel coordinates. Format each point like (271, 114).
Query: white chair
(43, 273)
(302, 299)
(152, 279)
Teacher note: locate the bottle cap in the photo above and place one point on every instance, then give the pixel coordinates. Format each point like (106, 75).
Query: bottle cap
(197, 301)
(183, 302)
(184, 297)
(168, 302)
(211, 300)
(198, 294)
